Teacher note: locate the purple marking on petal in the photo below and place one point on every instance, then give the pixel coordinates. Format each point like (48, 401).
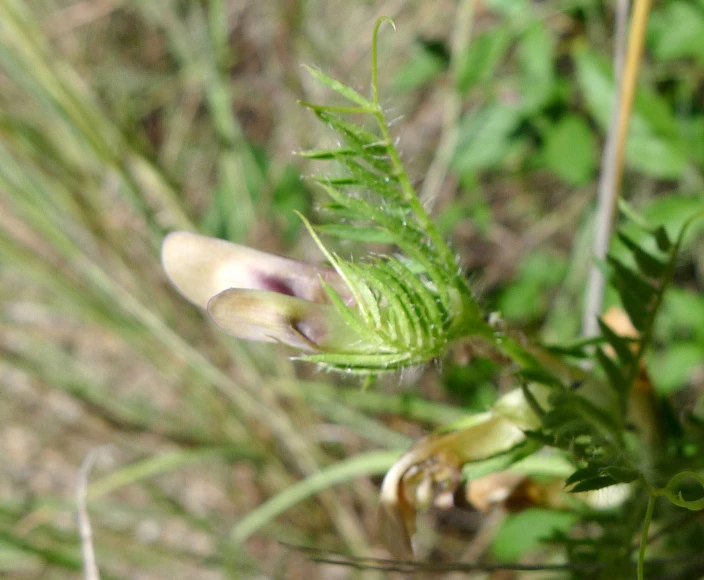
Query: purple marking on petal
(305, 330)
(273, 284)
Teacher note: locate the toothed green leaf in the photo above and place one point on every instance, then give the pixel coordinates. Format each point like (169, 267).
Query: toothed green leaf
(413, 305)
(648, 264)
(384, 186)
(662, 239)
(364, 143)
(622, 474)
(636, 294)
(594, 483)
(616, 378)
(620, 345)
(632, 282)
(588, 472)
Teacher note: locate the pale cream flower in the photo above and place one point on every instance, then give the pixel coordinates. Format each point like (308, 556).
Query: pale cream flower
(257, 296)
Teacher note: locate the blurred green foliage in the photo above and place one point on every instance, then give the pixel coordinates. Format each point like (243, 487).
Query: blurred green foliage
(122, 121)
(524, 531)
(541, 97)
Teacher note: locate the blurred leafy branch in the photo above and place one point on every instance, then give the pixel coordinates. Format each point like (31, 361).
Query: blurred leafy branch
(409, 308)
(85, 202)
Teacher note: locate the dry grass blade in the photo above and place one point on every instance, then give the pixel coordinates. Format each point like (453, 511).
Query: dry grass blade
(90, 567)
(627, 60)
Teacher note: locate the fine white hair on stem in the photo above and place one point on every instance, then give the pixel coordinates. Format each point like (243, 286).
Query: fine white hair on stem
(608, 182)
(90, 568)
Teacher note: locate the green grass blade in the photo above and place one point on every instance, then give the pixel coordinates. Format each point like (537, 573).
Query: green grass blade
(345, 471)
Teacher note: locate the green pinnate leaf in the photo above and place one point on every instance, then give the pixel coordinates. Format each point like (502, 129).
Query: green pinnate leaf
(407, 301)
(349, 315)
(622, 474)
(594, 483)
(632, 281)
(366, 145)
(648, 264)
(588, 472)
(662, 239)
(636, 293)
(620, 345)
(616, 378)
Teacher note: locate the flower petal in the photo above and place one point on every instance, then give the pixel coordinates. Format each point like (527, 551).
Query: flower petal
(439, 456)
(201, 267)
(272, 317)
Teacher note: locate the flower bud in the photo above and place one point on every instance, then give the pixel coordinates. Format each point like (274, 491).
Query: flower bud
(271, 317)
(253, 295)
(201, 267)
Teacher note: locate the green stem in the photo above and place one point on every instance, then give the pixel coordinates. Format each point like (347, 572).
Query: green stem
(644, 535)
(410, 195)
(375, 65)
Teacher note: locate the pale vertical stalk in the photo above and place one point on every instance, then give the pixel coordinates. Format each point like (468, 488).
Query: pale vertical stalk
(626, 75)
(90, 568)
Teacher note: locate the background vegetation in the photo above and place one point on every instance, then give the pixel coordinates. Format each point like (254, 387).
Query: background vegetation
(122, 120)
